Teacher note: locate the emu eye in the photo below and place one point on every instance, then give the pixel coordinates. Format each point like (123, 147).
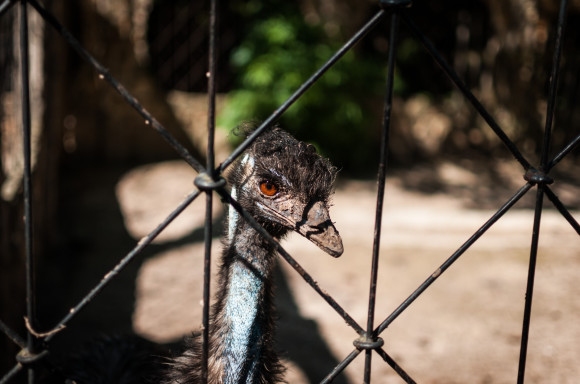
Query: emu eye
(268, 188)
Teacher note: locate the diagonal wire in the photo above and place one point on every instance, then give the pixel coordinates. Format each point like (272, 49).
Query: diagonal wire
(329, 299)
(105, 75)
(467, 93)
(396, 367)
(123, 263)
(439, 271)
(340, 367)
(567, 149)
(388, 359)
(303, 88)
(15, 337)
(5, 6)
(349, 359)
(562, 209)
(13, 372)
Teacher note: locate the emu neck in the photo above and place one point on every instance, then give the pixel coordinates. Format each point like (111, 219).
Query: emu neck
(246, 306)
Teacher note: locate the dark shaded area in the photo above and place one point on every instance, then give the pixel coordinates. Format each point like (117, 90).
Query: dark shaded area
(299, 337)
(178, 44)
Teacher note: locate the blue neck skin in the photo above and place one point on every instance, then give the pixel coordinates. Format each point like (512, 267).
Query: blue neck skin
(243, 330)
(240, 341)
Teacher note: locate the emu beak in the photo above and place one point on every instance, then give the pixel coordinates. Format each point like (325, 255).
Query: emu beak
(317, 227)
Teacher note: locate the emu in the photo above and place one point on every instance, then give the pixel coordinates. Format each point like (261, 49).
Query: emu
(285, 185)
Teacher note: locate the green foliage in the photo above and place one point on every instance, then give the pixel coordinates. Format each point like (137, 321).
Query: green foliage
(277, 54)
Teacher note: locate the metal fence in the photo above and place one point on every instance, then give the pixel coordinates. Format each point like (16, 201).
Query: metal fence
(210, 180)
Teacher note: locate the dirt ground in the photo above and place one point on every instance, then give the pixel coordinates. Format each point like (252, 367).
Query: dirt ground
(465, 328)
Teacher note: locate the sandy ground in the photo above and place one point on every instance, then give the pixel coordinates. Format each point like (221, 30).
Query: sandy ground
(465, 328)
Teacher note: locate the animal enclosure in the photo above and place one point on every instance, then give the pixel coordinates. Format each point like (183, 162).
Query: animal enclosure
(369, 344)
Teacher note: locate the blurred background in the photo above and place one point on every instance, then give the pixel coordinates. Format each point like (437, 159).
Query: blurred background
(103, 178)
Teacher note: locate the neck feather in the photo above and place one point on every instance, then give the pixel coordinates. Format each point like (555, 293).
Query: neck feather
(243, 315)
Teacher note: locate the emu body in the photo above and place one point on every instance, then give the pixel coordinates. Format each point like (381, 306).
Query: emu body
(285, 185)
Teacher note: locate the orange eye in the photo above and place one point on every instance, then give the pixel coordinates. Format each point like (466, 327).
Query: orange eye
(268, 188)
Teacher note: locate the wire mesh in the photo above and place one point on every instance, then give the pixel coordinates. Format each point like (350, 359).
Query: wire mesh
(210, 180)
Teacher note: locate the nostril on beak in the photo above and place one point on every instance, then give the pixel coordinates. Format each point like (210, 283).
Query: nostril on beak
(317, 216)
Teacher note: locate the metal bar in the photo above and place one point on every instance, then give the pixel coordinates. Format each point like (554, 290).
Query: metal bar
(553, 89)
(467, 93)
(553, 84)
(105, 75)
(552, 94)
(396, 367)
(5, 6)
(569, 148)
(530, 284)
(13, 372)
(329, 299)
(18, 341)
(123, 263)
(439, 271)
(381, 188)
(12, 335)
(209, 194)
(558, 204)
(302, 89)
(340, 367)
(206, 285)
(27, 184)
(211, 85)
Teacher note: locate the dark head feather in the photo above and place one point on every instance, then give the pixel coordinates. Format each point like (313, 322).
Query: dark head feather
(309, 173)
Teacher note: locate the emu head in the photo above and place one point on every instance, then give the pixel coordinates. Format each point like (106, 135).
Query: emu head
(285, 185)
